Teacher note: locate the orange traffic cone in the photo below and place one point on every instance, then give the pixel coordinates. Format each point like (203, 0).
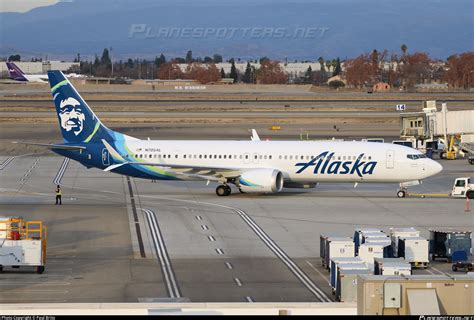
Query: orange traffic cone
(468, 209)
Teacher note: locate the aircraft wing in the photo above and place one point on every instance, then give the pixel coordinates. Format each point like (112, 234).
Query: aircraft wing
(199, 172)
(52, 146)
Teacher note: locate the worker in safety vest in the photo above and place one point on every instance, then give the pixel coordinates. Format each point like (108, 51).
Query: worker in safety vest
(58, 195)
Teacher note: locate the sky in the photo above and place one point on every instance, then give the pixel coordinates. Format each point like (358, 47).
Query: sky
(23, 5)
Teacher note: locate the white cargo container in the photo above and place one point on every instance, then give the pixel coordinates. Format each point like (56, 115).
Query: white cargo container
(338, 247)
(335, 262)
(323, 238)
(344, 267)
(369, 251)
(360, 233)
(396, 269)
(415, 250)
(396, 233)
(346, 290)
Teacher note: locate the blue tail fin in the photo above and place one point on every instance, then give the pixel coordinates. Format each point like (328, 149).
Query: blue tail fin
(78, 122)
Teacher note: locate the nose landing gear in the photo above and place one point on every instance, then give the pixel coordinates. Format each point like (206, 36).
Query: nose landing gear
(402, 193)
(223, 190)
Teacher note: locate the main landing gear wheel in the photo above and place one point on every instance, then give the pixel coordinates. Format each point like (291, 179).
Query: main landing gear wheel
(223, 190)
(401, 194)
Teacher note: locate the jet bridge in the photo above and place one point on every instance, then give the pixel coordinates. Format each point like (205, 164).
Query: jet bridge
(433, 129)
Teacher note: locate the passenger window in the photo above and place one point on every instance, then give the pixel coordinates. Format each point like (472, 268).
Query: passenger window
(270, 157)
(225, 157)
(240, 157)
(286, 157)
(246, 156)
(265, 157)
(200, 156)
(220, 156)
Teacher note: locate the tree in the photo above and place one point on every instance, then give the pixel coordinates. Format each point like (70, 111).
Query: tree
(415, 68)
(404, 49)
(105, 60)
(96, 61)
(263, 59)
(222, 73)
(169, 71)
(308, 77)
(358, 71)
(201, 73)
(336, 84)
(233, 71)
(321, 62)
(160, 60)
(460, 70)
(208, 59)
(217, 58)
(337, 68)
(270, 72)
(189, 56)
(15, 57)
(248, 75)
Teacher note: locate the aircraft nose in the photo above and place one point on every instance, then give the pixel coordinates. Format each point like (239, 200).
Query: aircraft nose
(434, 167)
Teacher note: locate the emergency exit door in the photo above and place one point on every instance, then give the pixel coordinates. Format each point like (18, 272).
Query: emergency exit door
(390, 159)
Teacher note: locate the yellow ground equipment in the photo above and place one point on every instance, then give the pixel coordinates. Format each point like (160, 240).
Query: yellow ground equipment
(22, 243)
(451, 151)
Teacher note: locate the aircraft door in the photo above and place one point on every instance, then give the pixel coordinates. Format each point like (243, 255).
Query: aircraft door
(390, 159)
(105, 157)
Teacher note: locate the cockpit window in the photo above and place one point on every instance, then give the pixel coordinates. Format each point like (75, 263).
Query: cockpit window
(416, 156)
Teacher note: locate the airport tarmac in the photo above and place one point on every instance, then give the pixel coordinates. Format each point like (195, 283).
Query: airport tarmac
(116, 239)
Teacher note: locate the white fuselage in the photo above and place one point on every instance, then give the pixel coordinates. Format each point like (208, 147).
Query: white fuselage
(299, 161)
(43, 78)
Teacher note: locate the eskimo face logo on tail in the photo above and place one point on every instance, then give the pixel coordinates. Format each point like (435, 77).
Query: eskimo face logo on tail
(323, 164)
(71, 115)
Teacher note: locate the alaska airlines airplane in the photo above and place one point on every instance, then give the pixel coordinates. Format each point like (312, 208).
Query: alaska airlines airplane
(253, 166)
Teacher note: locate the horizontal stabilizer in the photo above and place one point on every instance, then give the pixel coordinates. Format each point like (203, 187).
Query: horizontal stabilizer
(52, 146)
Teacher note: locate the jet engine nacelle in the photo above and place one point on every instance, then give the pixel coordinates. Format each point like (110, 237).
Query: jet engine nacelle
(261, 181)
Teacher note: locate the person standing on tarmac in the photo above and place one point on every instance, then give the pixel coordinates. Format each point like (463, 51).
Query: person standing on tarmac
(58, 195)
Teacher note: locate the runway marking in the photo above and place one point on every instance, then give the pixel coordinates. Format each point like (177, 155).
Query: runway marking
(162, 253)
(317, 271)
(211, 238)
(219, 251)
(429, 271)
(204, 227)
(249, 299)
(229, 265)
(61, 171)
(307, 282)
(199, 218)
(238, 282)
(25, 176)
(5, 163)
(441, 272)
(135, 219)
